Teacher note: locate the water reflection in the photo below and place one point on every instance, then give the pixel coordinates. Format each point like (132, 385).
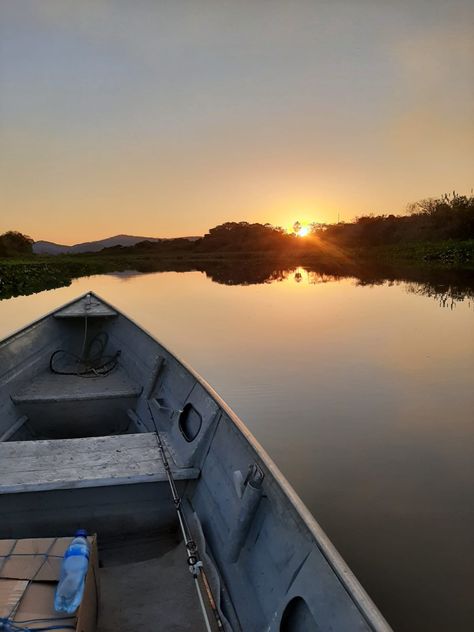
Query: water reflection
(359, 389)
(448, 285)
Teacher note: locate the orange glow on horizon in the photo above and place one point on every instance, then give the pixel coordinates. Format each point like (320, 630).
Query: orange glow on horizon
(300, 229)
(303, 231)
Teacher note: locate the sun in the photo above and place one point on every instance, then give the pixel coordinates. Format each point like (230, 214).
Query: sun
(303, 231)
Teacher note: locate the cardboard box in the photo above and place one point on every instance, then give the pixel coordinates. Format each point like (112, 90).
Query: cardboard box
(29, 573)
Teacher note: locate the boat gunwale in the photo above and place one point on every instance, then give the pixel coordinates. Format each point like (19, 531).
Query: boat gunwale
(360, 597)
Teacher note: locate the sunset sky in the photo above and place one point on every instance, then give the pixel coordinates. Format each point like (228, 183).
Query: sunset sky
(166, 118)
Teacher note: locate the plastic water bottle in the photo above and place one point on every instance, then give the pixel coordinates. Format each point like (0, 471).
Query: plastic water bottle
(73, 574)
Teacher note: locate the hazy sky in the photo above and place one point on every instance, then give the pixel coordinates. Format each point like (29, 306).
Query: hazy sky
(167, 118)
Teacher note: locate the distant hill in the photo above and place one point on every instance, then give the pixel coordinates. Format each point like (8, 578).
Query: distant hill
(50, 248)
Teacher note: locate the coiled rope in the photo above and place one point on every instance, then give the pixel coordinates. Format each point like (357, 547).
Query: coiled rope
(92, 361)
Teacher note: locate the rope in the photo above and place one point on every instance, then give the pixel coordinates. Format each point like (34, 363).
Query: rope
(100, 370)
(7, 624)
(45, 556)
(92, 362)
(89, 363)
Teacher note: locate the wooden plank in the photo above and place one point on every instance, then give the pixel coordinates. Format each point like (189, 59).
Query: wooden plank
(17, 449)
(49, 387)
(85, 459)
(45, 465)
(132, 479)
(113, 470)
(77, 475)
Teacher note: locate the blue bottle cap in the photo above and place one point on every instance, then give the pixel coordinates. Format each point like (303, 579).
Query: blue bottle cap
(81, 532)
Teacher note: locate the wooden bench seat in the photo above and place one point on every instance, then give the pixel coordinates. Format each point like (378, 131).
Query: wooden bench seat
(49, 387)
(30, 466)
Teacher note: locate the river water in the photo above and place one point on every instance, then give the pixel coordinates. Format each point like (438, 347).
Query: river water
(362, 394)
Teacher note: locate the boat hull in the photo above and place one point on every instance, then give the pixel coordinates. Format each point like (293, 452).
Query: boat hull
(277, 570)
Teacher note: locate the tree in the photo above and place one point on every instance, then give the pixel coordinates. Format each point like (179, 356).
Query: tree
(15, 244)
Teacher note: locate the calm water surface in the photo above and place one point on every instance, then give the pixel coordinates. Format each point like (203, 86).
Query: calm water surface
(362, 395)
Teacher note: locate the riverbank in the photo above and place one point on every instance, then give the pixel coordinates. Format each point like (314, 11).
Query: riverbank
(446, 253)
(28, 275)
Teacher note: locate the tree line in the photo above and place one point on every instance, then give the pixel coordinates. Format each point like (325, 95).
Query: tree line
(449, 217)
(435, 219)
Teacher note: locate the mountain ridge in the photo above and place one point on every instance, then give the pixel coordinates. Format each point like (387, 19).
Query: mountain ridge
(42, 247)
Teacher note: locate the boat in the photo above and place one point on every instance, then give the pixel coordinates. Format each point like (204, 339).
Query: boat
(103, 428)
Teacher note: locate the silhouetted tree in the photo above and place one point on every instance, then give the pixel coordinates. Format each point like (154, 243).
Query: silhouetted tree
(14, 244)
(243, 236)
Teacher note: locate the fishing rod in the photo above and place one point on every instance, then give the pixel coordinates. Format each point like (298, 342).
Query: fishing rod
(194, 561)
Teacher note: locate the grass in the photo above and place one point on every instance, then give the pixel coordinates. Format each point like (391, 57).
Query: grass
(439, 253)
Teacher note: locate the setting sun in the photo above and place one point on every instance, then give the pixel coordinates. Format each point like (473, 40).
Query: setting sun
(303, 231)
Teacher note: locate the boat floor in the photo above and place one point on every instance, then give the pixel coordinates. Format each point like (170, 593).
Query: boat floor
(145, 585)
